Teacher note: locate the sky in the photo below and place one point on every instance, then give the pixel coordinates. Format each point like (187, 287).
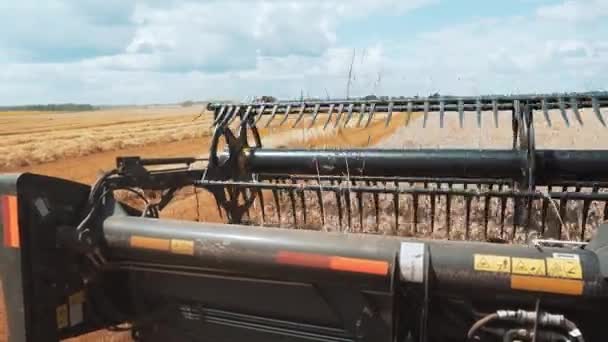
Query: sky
(168, 51)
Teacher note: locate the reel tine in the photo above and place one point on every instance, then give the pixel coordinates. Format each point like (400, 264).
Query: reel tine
(300, 116)
(220, 115)
(372, 110)
(234, 115)
(360, 207)
(361, 114)
(410, 109)
(376, 206)
(321, 206)
(495, 112)
(503, 208)
(577, 113)
(562, 110)
(486, 216)
(461, 113)
(277, 203)
(448, 211)
(426, 113)
(467, 217)
(231, 112)
(262, 206)
(596, 109)
(261, 113)
(389, 115)
(543, 104)
(585, 213)
(246, 116)
(273, 114)
(544, 211)
(563, 202)
(329, 114)
(339, 114)
(303, 201)
(396, 206)
(292, 199)
(349, 115)
(605, 210)
(433, 205)
(339, 204)
(478, 109)
(315, 115)
(348, 210)
(415, 201)
(441, 113)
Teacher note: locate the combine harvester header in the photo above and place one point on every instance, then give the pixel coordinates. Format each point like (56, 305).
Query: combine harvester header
(367, 244)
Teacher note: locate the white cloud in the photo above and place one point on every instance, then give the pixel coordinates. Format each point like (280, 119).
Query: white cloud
(172, 51)
(575, 10)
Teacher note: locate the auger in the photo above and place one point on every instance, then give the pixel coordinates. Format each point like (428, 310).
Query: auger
(355, 244)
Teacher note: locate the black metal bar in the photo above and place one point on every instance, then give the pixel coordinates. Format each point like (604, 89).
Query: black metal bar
(433, 205)
(486, 214)
(544, 211)
(409, 113)
(260, 196)
(495, 112)
(467, 219)
(478, 110)
(448, 211)
(552, 166)
(376, 208)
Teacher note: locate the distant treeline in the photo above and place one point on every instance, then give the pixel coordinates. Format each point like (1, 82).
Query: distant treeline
(64, 107)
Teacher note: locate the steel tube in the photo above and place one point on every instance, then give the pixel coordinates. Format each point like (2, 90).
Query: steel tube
(256, 252)
(552, 166)
(376, 162)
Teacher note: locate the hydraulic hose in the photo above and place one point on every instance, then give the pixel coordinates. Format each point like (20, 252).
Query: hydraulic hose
(480, 323)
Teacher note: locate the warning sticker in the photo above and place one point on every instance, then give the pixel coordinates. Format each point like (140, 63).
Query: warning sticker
(62, 316)
(492, 263)
(564, 268)
(182, 247)
(528, 266)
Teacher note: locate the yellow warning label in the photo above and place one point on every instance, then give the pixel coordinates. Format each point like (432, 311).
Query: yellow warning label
(528, 266)
(492, 263)
(62, 316)
(77, 298)
(564, 268)
(182, 247)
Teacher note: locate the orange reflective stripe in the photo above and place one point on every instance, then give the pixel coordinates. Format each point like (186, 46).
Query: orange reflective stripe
(359, 265)
(303, 259)
(336, 263)
(10, 220)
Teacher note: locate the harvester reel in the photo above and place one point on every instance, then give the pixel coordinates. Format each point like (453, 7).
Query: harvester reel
(235, 200)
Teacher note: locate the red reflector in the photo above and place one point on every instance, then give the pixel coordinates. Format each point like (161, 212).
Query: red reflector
(336, 263)
(10, 223)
